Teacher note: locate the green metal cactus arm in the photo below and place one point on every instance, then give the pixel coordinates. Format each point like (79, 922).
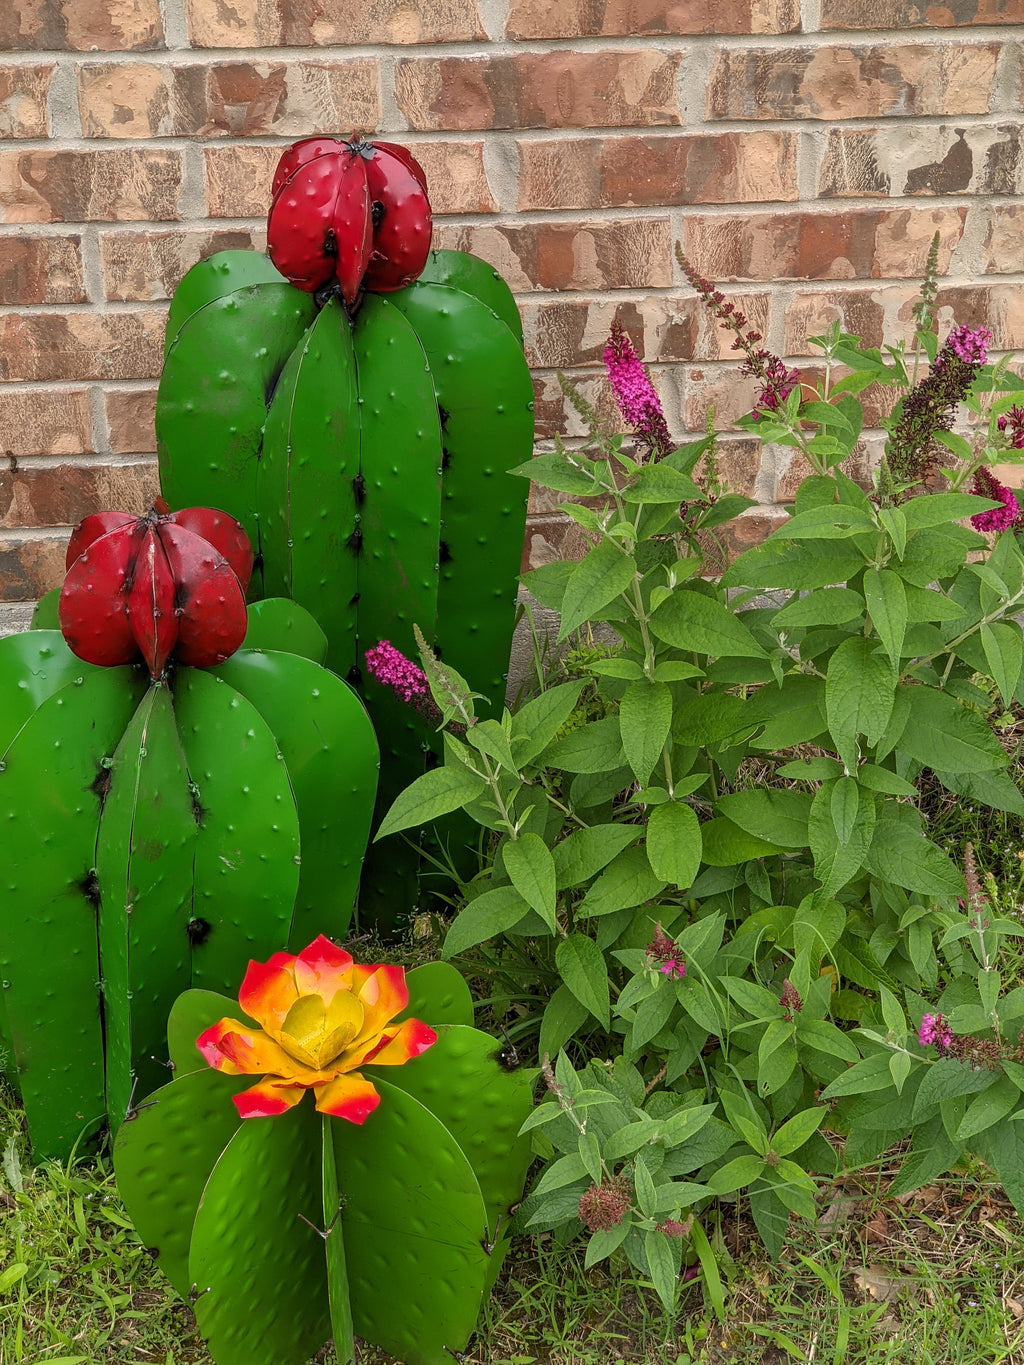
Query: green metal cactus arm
(287, 1230)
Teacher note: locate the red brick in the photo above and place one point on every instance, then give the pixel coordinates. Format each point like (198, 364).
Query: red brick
(923, 159)
(554, 414)
(573, 332)
(23, 92)
(244, 99)
(1004, 240)
(42, 346)
(330, 23)
(679, 168)
(902, 14)
(791, 467)
(80, 25)
(999, 307)
(548, 538)
(858, 311)
(627, 18)
(41, 270)
(841, 81)
(62, 495)
(130, 417)
(149, 265)
(743, 533)
(857, 244)
(45, 422)
(30, 565)
(560, 89)
(238, 178)
(78, 187)
(630, 253)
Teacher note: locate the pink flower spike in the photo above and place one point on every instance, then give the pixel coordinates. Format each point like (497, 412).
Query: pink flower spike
(672, 967)
(634, 393)
(934, 1030)
(996, 518)
(391, 668)
(969, 344)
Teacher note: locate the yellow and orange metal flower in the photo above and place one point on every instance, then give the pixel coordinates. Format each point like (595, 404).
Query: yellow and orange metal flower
(322, 1016)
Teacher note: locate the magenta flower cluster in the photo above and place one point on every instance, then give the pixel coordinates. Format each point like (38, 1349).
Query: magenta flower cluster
(391, 668)
(1011, 424)
(663, 953)
(634, 393)
(986, 485)
(970, 345)
(934, 1030)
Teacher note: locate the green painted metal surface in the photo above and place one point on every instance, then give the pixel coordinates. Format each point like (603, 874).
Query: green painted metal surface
(163, 1158)
(460, 270)
(481, 1104)
(212, 403)
(260, 1271)
(483, 384)
(48, 948)
(279, 623)
(330, 752)
(45, 617)
(305, 497)
(144, 860)
(246, 868)
(334, 1245)
(213, 278)
(414, 1224)
(438, 994)
(33, 667)
(193, 1013)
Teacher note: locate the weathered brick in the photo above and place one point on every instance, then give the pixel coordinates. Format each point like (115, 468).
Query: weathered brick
(539, 90)
(858, 311)
(1004, 239)
(630, 253)
(626, 18)
(858, 244)
(41, 346)
(841, 81)
(245, 99)
(750, 529)
(62, 495)
(30, 565)
(45, 422)
(130, 417)
(573, 332)
(547, 539)
(238, 178)
(41, 270)
(330, 23)
(81, 26)
(149, 265)
(681, 168)
(77, 187)
(23, 92)
(554, 414)
(923, 159)
(901, 14)
(999, 307)
(722, 388)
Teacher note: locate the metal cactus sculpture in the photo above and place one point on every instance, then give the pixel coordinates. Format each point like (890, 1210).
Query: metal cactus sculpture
(172, 804)
(359, 422)
(373, 1207)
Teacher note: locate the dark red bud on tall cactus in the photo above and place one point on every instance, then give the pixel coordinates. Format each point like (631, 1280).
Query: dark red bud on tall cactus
(402, 222)
(319, 226)
(167, 582)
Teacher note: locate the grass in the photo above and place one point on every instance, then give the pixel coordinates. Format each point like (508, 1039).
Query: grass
(936, 1278)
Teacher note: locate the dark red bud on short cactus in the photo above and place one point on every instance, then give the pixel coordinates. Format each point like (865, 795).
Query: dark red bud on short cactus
(402, 222)
(319, 225)
(167, 582)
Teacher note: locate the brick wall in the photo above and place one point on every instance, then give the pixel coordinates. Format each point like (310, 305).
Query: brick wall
(803, 151)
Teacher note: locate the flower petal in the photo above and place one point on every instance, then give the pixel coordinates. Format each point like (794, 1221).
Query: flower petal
(323, 969)
(240, 1050)
(349, 1097)
(268, 1098)
(269, 991)
(315, 1033)
(382, 993)
(395, 1046)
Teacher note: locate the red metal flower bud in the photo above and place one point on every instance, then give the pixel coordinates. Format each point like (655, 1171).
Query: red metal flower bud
(402, 223)
(169, 581)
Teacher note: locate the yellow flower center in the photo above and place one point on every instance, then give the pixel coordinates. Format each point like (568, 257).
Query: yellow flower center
(315, 1034)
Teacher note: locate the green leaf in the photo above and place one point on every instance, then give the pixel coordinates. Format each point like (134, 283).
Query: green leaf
(783, 564)
(839, 832)
(757, 1001)
(674, 843)
(691, 621)
(725, 844)
(941, 733)
(905, 858)
(796, 1131)
(1004, 1149)
(834, 522)
(529, 863)
(877, 779)
(886, 599)
(593, 748)
(870, 1075)
(778, 817)
(584, 852)
(554, 470)
(661, 1262)
(987, 1109)
(939, 509)
(563, 1015)
(674, 670)
(483, 918)
(735, 1174)
(535, 725)
(895, 523)
(594, 583)
(660, 483)
(616, 668)
(488, 737)
(548, 583)
(1004, 650)
(827, 607)
(860, 690)
(627, 881)
(645, 716)
(604, 1242)
(995, 789)
(582, 968)
(435, 793)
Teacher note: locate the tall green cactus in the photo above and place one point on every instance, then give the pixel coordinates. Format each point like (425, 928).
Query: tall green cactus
(159, 832)
(366, 452)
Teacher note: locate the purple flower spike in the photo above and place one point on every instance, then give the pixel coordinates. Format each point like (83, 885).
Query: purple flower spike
(634, 393)
(996, 518)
